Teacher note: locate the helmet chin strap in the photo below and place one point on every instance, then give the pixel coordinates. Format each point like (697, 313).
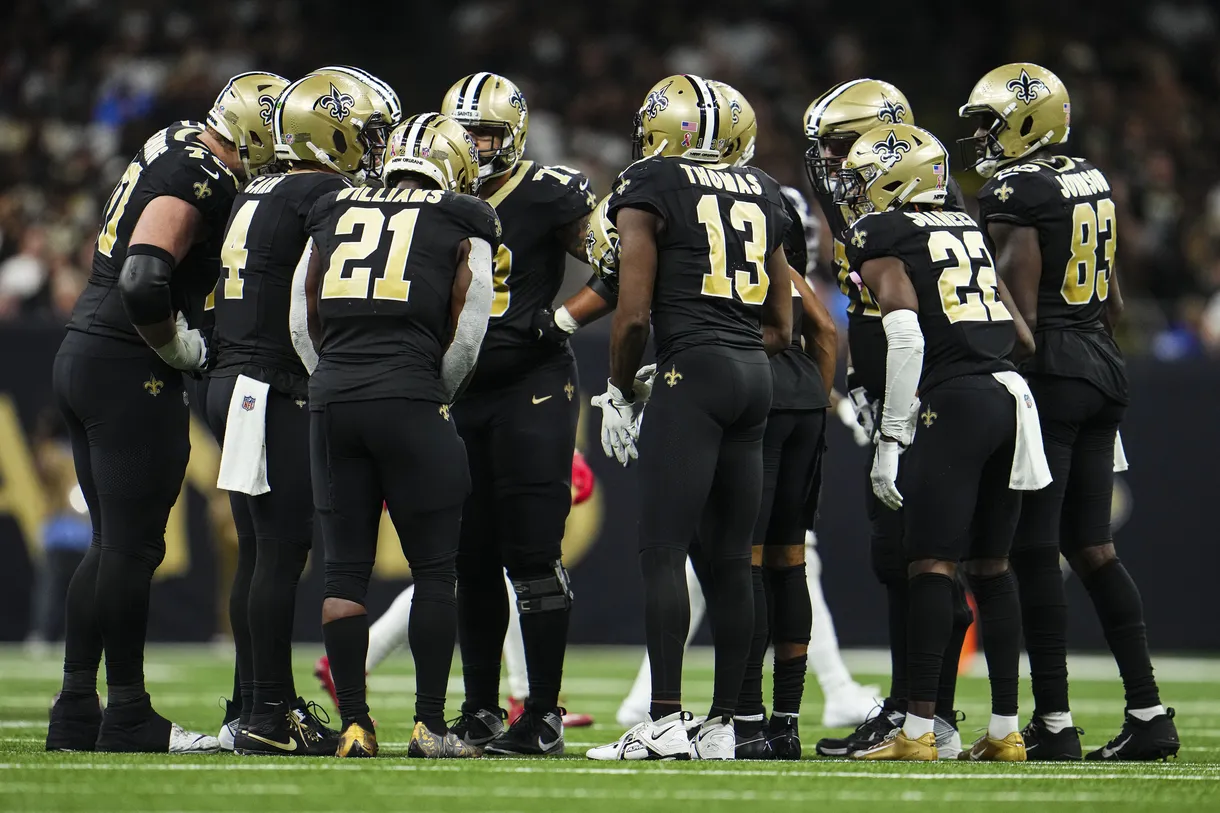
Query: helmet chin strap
(326, 161)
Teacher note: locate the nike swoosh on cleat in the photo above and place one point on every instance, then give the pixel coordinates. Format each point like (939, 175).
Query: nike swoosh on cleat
(535, 399)
(1108, 752)
(547, 748)
(291, 745)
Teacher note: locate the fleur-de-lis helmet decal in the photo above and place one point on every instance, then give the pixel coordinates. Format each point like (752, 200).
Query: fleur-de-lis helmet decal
(891, 111)
(337, 103)
(1025, 87)
(891, 150)
(266, 105)
(656, 102)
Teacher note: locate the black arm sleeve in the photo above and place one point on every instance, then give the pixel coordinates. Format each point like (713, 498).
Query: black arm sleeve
(603, 288)
(144, 284)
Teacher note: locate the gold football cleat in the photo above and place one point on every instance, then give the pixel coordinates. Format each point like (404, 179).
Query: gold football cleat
(899, 747)
(986, 749)
(426, 744)
(356, 741)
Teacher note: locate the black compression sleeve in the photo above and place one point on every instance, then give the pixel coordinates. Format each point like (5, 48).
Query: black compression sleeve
(144, 284)
(603, 289)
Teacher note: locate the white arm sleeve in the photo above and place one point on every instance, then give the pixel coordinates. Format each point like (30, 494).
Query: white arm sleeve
(903, 365)
(298, 317)
(463, 351)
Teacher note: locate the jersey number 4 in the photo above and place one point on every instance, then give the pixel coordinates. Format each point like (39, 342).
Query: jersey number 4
(392, 285)
(969, 290)
(716, 282)
(1082, 277)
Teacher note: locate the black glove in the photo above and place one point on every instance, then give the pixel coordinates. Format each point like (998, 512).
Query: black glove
(545, 329)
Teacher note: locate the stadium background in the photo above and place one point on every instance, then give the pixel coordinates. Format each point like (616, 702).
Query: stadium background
(84, 82)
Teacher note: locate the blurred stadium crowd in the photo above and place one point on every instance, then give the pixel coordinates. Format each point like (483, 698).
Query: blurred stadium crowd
(83, 83)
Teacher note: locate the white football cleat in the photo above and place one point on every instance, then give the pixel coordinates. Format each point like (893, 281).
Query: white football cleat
(660, 739)
(228, 732)
(715, 740)
(182, 741)
(948, 738)
(850, 705)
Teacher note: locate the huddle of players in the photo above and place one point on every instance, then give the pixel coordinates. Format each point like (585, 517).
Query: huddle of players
(935, 338)
(383, 352)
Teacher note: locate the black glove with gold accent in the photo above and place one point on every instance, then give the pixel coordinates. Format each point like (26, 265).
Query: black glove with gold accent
(545, 328)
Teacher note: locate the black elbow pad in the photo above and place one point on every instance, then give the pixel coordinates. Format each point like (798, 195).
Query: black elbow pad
(144, 284)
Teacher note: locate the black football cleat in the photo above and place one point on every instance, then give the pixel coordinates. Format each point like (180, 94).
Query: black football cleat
(751, 740)
(1044, 745)
(1141, 741)
(534, 734)
(135, 728)
(288, 731)
(784, 738)
(479, 728)
(868, 734)
(75, 722)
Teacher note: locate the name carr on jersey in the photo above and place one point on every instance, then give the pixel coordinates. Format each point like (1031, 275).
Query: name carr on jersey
(745, 183)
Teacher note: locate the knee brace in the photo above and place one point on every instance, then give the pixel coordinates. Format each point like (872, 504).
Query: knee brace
(546, 594)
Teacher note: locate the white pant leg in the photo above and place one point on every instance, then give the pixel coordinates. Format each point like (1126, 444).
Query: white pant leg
(390, 631)
(824, 654)
(514, 648)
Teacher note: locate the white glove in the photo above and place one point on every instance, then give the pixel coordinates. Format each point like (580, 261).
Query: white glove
(643, 382)
(187, 351)
(885, 474)
(856, 416)
(620, 423)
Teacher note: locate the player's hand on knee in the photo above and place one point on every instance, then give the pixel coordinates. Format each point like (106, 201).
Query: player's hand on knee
(620, 423)
(885, 473)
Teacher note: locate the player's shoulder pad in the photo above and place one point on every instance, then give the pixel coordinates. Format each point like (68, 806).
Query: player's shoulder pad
(320, 212)
(877, 234)
(1015, 194)
(637, 185)
(475, 215)
(188, 170)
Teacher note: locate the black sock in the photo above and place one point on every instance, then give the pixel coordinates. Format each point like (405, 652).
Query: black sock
(239, 614)
(789, 685)
(272, 607)
(118, 694)
(1121, 611)
(124, 581)
(666, 623)
(1000, 626)
(962, 619)
(482, 622)
(929, 626)
(347, 645)
(432, 632)
(733, 624)
(898, 601)
(82, 638)
(545, 636)
(1044, 622)
(750, 700)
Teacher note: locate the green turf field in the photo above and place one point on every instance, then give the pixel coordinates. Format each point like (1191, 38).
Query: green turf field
(185, 684)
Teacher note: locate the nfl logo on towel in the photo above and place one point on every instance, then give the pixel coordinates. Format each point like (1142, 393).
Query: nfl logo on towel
(247, 403)
(1029, 402)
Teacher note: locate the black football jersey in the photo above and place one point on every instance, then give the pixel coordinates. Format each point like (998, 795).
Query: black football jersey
(1068, 201)
(389, 257)
(795, 378)
(533, 205)
(259, 255)
(173, 163)
(720, 226)
(967, 329)
(865, 336)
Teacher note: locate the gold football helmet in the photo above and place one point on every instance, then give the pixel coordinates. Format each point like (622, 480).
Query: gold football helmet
(740, 151)
(840, 116)
(1020, 108)
(437, 147)
(683, 115)
(601, 245)
(488, 101)
(330, 119)
(384, 98)
(891, 166)
(242, 114)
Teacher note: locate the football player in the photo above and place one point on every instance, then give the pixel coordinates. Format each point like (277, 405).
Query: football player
(118, 379)
(518, 421)
(257, 402)
(948, 335)
(833, 122)
(398, 293)
(1054, 226)
(701, 256)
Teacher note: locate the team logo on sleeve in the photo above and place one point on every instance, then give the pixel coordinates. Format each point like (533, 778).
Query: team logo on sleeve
(266, 103)
(1004, 192)
(337, 103)
(656, 102)
(858, 237)
(1026, 87)
(892, 112)
(622, 185)
(891, 150)
(201, 190)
